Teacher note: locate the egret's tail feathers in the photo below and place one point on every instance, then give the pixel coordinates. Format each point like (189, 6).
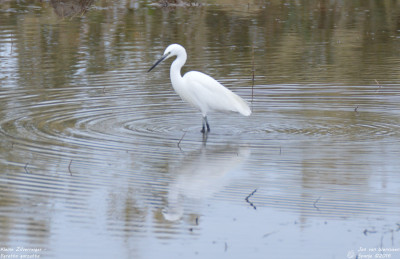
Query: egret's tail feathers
(241, 106)
(245, 110)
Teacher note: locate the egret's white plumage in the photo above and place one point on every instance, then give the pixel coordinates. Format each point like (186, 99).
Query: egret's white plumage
(200, 90)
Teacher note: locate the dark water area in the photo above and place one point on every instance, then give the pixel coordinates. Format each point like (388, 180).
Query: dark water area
(100, 159)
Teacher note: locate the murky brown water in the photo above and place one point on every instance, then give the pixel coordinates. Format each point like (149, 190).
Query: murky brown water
(100, 159)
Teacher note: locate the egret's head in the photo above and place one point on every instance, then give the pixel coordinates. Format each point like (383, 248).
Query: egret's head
(170, 51)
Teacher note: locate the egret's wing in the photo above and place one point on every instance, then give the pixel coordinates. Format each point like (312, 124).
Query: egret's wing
(207, 91)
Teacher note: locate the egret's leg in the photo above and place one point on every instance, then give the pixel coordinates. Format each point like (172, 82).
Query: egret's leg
(205, 124)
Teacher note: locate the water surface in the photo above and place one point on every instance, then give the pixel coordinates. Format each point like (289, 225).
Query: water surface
(100, 159)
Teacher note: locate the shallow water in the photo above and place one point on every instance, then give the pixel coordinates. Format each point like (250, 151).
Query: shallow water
(100, 159)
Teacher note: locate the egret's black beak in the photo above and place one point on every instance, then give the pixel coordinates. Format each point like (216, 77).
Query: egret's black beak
(159, 61)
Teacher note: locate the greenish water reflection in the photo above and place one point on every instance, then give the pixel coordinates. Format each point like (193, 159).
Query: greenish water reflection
(90, 165)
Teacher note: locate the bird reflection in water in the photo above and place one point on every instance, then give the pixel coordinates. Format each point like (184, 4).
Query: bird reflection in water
(201, 174)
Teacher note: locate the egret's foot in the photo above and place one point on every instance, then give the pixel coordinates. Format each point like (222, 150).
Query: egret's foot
(205, 123)
(203, 130)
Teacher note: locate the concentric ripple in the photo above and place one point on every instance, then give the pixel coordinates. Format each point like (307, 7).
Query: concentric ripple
(62, 119)
(101, 122)
(327, 111)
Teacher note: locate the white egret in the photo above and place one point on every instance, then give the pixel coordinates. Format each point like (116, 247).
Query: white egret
(200, 90)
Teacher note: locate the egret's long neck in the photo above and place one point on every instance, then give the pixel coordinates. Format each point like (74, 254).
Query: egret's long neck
(175, 71)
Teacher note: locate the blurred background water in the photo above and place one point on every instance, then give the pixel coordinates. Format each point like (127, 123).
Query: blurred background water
(100, 159)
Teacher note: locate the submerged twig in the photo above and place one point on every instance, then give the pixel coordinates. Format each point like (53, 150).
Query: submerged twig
(179, 142)
(315, 203)
(252, 75)
(247, 199)
(26, 168)
(69, 167)
(268, 234)
(366, 231)
(392, 238)
(379, 85)
(12, 43)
